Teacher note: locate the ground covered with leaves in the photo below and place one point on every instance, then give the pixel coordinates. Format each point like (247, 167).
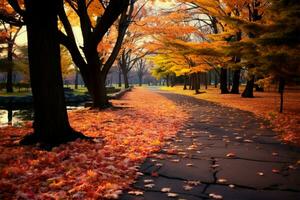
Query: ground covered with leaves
(265, 105)
(102, 168)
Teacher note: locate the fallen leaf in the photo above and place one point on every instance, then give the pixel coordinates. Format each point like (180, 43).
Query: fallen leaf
(187, 187)
(171, 194)
(154, 174)
(193, 183)
(276, 171)
(151, 185)
(136, 192)
(260, 173)
(230, 155)
(165, 189)
(222, 180)
(215, 196)
(148, 181)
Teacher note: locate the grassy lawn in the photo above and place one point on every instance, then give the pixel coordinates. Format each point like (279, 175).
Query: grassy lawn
(80, 91)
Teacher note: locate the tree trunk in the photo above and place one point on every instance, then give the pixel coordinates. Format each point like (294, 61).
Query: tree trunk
(173, 77)
(193, 81)
(9, 77)
(228, 79)
(190, 82)
(167, 80)
(51, 125)
(248, 92)
(209, 78)
(223, 81)
(205, 80)
(236, 82)
(120, 77)
(197, 83)
(125, 76)
(216, 79)
(185, 82)
(281, 91)
(76, 78)
(140, 80)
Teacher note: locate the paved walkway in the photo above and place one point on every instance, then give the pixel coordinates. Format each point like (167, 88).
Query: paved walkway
(221, 153)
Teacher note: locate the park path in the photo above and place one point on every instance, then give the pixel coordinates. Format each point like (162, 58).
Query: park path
(220, 153)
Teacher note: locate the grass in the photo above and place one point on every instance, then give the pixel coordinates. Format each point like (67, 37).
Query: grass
(80, 91)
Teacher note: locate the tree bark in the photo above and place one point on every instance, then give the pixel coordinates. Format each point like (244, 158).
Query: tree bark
(120, 77)
(248, 92)
(209, 78)
(9, 77)
(185, 82)
(167, 80)
(236, 82)
(90, 62)
(126, 82)
(223, 81)
(205, 80)
(216, 79)
(51, 125)
(76, 78)
(190, 81)
(281, 91)
(197, 83)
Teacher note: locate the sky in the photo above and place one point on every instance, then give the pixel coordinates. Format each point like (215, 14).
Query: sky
(21, 40)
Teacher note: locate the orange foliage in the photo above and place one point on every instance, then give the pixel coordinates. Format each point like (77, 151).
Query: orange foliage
(85, 169)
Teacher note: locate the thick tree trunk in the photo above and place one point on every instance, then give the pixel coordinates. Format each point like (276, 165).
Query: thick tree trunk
(51, 125)
(248, 92)
(209, 78)
(205, 80)
(97, 87)
(281, 91)
(167, 80)
(197, 83)
(223, 81)
(173, 80)
(193, 81)
(140, 80)
(229, 78)
(185, 82)
(216, 79)
(236, 82)
(125, 76)
(190, 82)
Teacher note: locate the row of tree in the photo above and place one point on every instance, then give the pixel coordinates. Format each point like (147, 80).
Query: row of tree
(257, 36)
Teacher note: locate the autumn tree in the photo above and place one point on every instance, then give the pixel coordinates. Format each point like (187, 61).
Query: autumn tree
(96, 19)
(11, 25)
(141, 69)
(277, 43)
(51, 125)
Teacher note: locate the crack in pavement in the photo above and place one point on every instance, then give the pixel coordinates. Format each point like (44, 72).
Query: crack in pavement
(179, 193)
(224, 184)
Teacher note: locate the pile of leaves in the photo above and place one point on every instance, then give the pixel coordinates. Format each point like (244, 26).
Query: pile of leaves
(123, 137)
(264, 105)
